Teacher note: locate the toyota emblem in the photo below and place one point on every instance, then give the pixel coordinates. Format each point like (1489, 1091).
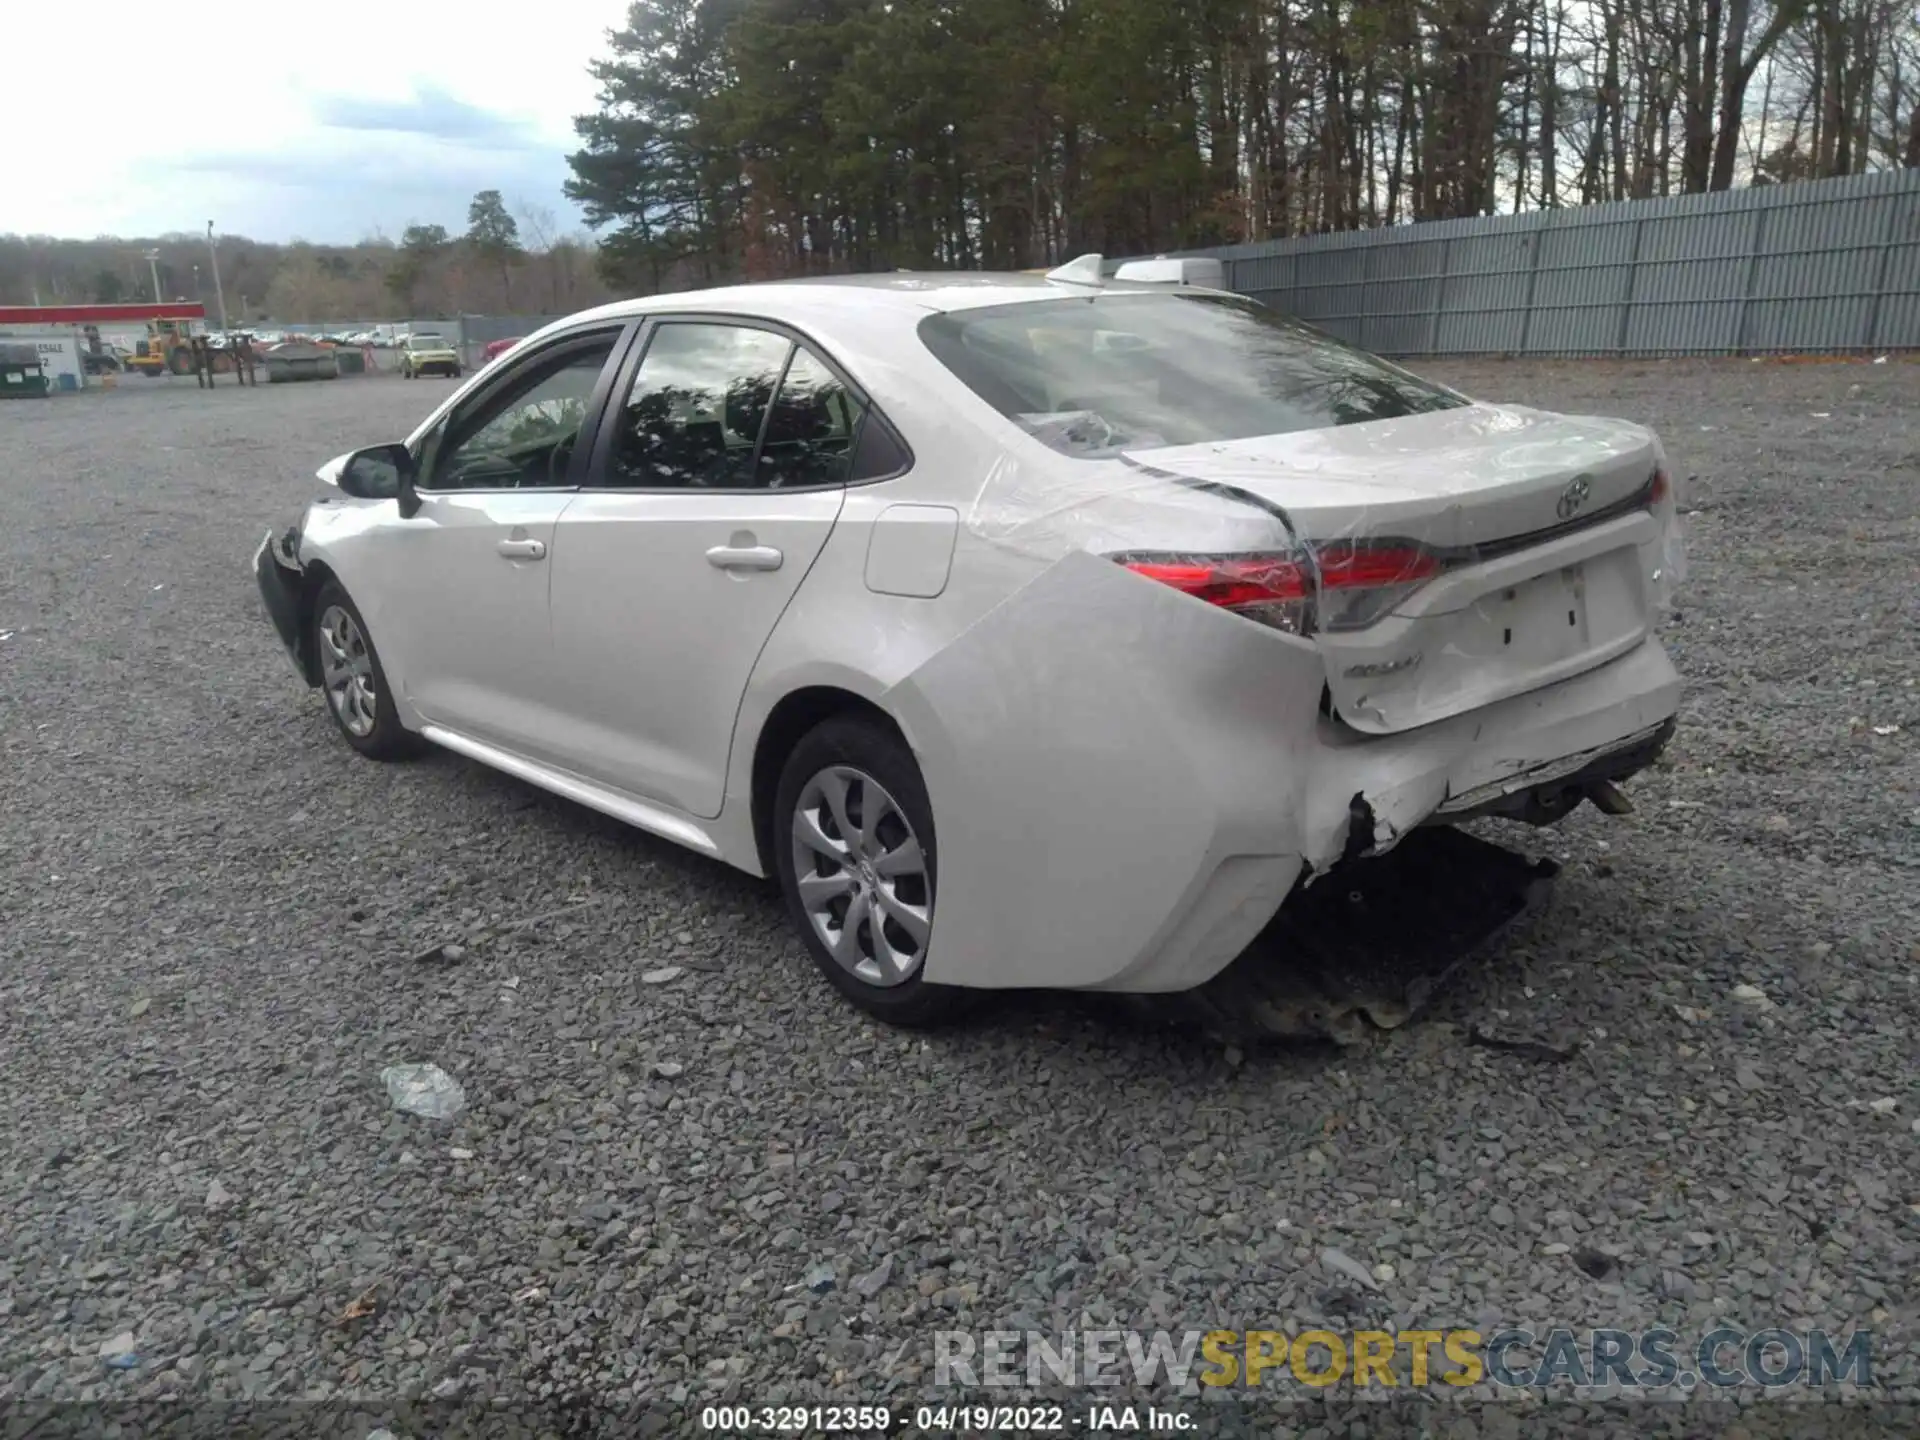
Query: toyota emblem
(1573, 497)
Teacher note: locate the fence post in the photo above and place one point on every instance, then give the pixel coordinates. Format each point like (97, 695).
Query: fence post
(1533, 278)
(1440, 296)
(1633, 284)
(1755, 247)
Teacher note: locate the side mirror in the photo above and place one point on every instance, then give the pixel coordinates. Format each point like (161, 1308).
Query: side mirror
(380, 472)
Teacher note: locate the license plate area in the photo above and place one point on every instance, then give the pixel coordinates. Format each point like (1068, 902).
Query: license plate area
(1412, 670)
(1537, 622)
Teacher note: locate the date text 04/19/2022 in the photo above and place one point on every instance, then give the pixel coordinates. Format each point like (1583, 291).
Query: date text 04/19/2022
(1053, 1419)
(938, 1419)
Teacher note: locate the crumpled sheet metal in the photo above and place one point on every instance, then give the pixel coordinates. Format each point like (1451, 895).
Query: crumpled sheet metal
(1427, 477)
(1045, 511)
(1100, 863)
(1458, 484)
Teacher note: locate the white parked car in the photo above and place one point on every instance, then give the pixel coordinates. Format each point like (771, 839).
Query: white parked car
(1033, 631)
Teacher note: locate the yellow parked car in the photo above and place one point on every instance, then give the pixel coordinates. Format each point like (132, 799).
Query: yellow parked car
(425, 353)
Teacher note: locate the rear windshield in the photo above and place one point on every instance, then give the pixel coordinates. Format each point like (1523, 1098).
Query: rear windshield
(1095, 375)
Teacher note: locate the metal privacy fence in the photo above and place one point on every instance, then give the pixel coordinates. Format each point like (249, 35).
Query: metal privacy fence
(1824, 266)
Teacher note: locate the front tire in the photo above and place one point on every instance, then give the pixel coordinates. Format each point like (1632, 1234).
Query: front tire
(855, 850)
(353, 680)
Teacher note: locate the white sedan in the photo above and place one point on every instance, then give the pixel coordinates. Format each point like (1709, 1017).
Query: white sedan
(1032, 630)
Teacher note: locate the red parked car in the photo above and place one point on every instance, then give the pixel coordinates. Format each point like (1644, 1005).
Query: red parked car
(496, 348)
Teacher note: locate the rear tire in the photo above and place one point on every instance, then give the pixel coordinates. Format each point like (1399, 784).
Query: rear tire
(353, 681)
(854, 840)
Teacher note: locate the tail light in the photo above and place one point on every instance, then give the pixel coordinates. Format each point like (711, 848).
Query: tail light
(1361, 583)
(1276, 590)
(1341, 586)
(1659, 488)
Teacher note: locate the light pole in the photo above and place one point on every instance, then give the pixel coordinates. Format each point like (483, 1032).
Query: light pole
(213, 254)
(153, 269)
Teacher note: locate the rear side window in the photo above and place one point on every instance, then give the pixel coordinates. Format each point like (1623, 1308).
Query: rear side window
(1110, 372)
(811, 429)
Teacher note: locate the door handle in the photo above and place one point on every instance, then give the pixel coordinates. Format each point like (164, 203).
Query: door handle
(523, 549)
(744, 557)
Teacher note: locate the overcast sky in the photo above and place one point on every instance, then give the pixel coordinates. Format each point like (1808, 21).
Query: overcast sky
(357, 114)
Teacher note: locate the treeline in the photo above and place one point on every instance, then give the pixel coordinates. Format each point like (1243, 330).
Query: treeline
(508, 260)
(754, 138)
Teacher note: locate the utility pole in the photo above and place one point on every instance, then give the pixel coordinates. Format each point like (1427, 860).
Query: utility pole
(153, 269)
(213, 253)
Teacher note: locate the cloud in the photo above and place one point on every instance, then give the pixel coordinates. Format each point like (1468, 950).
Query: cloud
(347, 185)
(449, 110)
(430, 111)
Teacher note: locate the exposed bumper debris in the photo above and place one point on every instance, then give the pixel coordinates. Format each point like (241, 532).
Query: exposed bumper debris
(1371, 941)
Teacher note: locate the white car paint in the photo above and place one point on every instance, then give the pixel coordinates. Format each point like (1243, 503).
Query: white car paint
(626, 563)
(1126, 781)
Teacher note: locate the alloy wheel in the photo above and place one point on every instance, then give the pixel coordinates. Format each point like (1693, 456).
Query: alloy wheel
(862, 876)
(346, 671)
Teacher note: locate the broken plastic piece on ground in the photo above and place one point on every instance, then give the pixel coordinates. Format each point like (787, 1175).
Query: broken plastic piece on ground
(821, 1278)
(424, 1090)
(1338, 1262)
(1373, 940)
(366, 1303)
(1596, 1263)
(1526, 1049)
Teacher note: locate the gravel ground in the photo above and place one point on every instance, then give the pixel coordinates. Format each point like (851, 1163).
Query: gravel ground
(210, 912)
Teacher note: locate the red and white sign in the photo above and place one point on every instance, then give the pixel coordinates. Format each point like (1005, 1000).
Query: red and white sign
(47, 317)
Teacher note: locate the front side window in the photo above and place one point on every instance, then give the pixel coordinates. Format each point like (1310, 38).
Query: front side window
(1097, 375)
(729, 407)
(522, 435)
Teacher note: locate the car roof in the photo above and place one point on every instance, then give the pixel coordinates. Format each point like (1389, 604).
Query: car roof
(910, 291)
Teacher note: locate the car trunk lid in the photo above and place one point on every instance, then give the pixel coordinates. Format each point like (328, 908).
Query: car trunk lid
(1460, 556)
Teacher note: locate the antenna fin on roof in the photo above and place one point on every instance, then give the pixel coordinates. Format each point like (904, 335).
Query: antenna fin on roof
(1082, 270)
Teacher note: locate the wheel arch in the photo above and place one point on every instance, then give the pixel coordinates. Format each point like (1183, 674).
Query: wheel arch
(314, 577)
(792, 718)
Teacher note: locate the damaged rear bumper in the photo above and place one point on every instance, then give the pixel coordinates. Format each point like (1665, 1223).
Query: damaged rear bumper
(1371, 943)
(1364, 796)
(1134, 822)
(1606, 724)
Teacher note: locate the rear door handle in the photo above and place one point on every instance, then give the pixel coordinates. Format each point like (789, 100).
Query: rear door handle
(523, 549)
(744, 557)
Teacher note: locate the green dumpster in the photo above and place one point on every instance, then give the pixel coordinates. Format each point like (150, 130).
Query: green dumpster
(23, 375)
